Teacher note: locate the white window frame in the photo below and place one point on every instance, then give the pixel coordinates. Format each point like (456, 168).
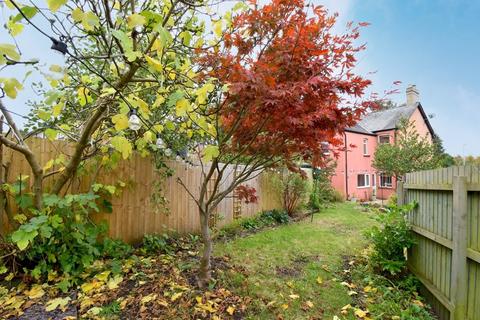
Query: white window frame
(366, 180)
(384, 135)
(365, 147)
(382, 184)
(325, 148)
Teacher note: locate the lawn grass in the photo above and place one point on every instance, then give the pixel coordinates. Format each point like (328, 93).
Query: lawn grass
(295, 263)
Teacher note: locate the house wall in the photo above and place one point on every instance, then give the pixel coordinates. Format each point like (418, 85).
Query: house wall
(358, 163)
(386, 192)
(420, 124)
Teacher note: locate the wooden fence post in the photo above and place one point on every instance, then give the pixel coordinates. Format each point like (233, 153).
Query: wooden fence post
(400, 193)
(459, 250)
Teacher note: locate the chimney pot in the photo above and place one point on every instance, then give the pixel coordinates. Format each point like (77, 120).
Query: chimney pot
(413, 96)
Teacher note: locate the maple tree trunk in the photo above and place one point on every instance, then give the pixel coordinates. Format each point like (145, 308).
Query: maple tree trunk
(204, 275)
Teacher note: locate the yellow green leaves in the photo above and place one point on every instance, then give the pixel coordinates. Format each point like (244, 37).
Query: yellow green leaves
(77, 15)
(140, 105)
(114, 282)
(43, 114)
(218, 28)
(53, 162)
(54, 5)
(135, 20)
(8, 50)
(57, 303)
(182, 107)
(51, 134)
(186, 37)
(163, 35)
(84, 96)
(89, 20)
(127, 45)
(56, 68)
(11, 86)
(203, 92)
(120, 121)
(35, 292)
(14, 28)
(22, 237)
(122, 145)
(158, 101)
(155, 64)
(210, 152)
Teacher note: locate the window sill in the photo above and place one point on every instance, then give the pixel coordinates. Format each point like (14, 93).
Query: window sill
(385, 187)
(366, 155)
(365, 187)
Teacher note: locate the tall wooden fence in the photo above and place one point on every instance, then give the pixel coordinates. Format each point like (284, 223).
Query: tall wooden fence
(446, 257)
(135, 210)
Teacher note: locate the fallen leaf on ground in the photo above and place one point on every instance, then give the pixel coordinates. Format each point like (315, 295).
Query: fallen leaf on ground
(57, 303)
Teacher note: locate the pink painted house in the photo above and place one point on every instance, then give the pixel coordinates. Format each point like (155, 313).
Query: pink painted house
(355, 176)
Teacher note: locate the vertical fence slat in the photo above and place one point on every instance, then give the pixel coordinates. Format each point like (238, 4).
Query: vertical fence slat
(459, 254)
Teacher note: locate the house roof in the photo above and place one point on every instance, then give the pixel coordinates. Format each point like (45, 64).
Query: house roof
(359, 129)
(388, 119)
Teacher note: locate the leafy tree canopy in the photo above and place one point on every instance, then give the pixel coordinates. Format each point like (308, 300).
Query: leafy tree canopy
(410, 152)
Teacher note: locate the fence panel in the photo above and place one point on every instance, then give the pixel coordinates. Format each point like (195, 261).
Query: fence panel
(134, 210)
(446, 223)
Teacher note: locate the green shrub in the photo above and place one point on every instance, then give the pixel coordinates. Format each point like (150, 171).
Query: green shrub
(398, 298)
(154, 243)
(115, 249)
(337, 196)
(292, 189)
(264, 219)
(276, 216)
(59, 238)
(391, 238)
(322, 193)
(251, 223)
(392, 200)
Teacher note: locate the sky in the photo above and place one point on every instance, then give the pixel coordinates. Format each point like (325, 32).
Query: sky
(433, 44)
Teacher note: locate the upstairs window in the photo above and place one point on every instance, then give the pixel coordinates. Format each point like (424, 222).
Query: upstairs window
(325, 148)
(363, 180)
(384, 139)
(385, 181)
(365, 147)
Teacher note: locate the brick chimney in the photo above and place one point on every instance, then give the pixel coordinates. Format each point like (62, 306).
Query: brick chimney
(413, 96)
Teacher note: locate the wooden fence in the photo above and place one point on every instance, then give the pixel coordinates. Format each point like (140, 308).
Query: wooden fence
(135, 212)
(446, 257)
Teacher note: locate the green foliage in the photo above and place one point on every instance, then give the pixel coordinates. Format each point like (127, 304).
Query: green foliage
(61, 237)
(153, 243)
(115, 249)
(390, 299)
(467, 160)
(167, 243)
(391, 239)
(265, 219)
(274, 217)
(410, 152)
(292, 189)
(445, 159)
(322, 192)
(111, 310)
(392, 200)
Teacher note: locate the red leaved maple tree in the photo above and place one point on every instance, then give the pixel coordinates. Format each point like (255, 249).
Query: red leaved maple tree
(291, 85)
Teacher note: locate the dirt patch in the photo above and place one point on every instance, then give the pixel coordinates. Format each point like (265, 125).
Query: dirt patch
(288, 272)
(296, 267)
